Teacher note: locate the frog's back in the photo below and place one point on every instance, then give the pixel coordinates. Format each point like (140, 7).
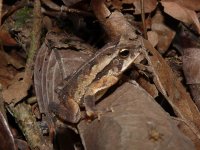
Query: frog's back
(76, 85)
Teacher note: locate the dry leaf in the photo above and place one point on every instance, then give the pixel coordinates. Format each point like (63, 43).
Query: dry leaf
(188, 43)
(182, 13)
(134, 5)
(152, 37)
(190, 4)
(70, 2)
(6, 39)
(135, 122)
(17, 90)
(165, 36)
(7, 73)
(14, 61)
(6, 137)
(165, 33)
(150, 88)
(175, 93)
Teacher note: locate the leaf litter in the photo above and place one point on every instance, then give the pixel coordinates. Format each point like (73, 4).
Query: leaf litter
(173, 30)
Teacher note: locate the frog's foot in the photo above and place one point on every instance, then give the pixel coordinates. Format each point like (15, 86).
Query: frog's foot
(93, 114)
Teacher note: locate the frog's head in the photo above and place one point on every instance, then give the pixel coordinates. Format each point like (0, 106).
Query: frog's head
(128, 50)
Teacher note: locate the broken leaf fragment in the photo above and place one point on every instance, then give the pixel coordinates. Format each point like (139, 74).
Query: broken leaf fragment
(18, 89)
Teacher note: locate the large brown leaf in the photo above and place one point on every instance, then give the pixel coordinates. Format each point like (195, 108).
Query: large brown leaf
(182, 13)
(135, 122)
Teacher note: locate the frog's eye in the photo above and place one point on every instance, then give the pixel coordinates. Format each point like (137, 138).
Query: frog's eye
(124, 53)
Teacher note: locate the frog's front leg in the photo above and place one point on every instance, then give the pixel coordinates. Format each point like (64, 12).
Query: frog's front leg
(94, 92)
(68, 111)
(89, 103)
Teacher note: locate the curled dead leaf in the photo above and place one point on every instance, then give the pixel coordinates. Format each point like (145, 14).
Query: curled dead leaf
(165, 33)
(191, 4)
(165, 36)
(6, 39)
(181, 13)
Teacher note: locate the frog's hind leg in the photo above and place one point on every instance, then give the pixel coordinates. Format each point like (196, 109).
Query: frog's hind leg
(68, 112)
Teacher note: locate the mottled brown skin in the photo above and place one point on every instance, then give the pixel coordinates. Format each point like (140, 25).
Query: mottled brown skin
(92, 79)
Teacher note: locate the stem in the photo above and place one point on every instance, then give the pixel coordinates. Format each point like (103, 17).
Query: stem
(143, 19)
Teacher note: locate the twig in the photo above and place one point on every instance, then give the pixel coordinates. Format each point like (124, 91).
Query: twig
(143, 18)
(2, 109)
(35, 42)
(63, 8)
(28, 125)
(71, 10)
(1, 5)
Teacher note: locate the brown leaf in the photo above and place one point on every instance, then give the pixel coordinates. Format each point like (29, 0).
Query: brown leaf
(190, 4)
(21, 144)
(188, 44)
(6, 137)
(135, 121)
(70, 2)
(152, 37)
(191, 65)
(14, 61)
(175, 93)
(7, 73)
(18, 89)
(150, 88)
(6, 39)
(165, 34)
(182, 13)
(149, 5)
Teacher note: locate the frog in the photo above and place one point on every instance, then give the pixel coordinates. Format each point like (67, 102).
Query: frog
(90, 82)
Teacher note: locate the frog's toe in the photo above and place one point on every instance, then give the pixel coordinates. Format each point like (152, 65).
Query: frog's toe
(93, 114)
(90, 113)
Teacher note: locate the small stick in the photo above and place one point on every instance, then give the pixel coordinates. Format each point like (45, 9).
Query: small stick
(66, 9)
(29, 127)
(35, 43)
(1, 5)
(143, 19)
